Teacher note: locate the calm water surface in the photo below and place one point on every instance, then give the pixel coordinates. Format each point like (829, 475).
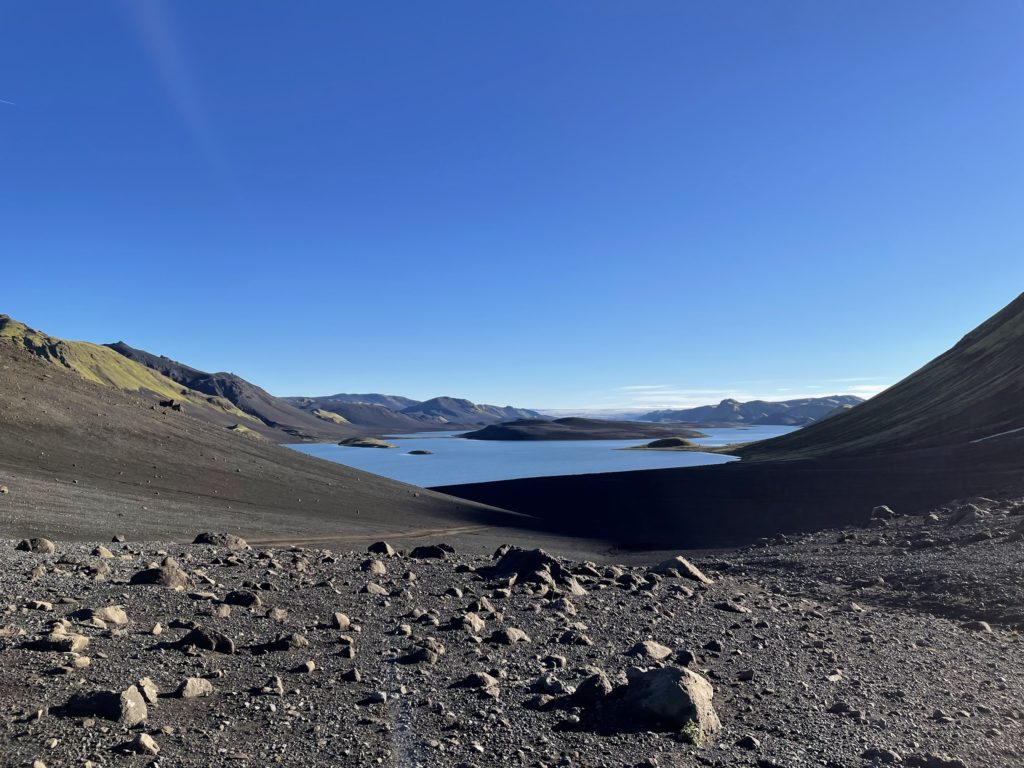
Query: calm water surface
(455, 460)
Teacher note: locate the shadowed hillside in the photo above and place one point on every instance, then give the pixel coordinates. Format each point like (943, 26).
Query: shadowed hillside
(973, 392)
(290, 423)
(953, 429)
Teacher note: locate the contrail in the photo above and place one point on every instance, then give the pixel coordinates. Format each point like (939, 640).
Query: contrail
(5, 101)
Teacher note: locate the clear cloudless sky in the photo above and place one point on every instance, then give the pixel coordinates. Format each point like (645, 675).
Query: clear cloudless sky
(581, 203)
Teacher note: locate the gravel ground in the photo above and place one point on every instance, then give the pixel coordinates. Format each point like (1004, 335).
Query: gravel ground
(844, 648)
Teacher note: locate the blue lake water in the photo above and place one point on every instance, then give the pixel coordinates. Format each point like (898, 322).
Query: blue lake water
(455, 460)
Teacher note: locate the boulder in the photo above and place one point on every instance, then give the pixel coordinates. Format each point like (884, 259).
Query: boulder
(38, 546)
(648, 649)
(432, 551)
(169, 574)
(672, 697)
(126, 707)
(207, 640)
(681, 567)
(532, 566)
(194, 688)
(225, 540)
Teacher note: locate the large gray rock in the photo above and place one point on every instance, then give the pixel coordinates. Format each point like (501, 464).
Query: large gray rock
(680, 566)
(672, 697)
(39, 546)
(169, 574)
(534, 566)
(127, 707)
(226, 540)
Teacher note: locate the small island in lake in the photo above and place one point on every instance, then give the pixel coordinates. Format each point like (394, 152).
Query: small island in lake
(575, 428)
(366, 442)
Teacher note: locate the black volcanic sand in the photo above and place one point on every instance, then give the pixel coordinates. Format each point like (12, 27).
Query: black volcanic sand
(851, 648)
(80, 459)
(573, 428)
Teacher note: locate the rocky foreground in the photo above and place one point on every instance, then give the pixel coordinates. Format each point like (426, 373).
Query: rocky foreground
(888, 644)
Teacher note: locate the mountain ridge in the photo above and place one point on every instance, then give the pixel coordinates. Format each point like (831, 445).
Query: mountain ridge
(797, 412)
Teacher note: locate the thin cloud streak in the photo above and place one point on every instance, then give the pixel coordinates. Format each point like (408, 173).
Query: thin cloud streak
(160, 40)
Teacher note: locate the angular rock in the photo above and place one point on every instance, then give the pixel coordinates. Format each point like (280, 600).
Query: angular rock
(126, 707)
(648, 649)
(434, 551)
(244, 598)
(673, 697)
(681, 567)
(38, 546)
(169, 575)
(508, 636)
(194, 688)
(381, 548)
(225, 540)
(207, 640)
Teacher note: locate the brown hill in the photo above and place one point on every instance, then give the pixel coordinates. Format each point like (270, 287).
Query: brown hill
(84, 459)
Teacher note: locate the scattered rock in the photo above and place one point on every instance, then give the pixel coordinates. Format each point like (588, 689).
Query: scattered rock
(37, 546)
(194, 688)
(679, 566)
(224, 540)
(127, 707)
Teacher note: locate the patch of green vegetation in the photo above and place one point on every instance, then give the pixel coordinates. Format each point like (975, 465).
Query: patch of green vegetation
(106, 367)
(691, 733)
(320, 413)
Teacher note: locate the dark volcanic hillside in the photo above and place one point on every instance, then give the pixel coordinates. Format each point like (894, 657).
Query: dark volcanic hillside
(575, 428)
(280, 416)
(80, 459)
(329, 402)
(371, 416)
(794, 413)
(970, 395)
(456, 411)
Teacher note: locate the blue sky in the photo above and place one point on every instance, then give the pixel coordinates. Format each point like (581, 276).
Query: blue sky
(552, 204)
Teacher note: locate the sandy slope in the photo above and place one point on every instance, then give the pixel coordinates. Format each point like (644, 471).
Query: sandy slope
(80, 459)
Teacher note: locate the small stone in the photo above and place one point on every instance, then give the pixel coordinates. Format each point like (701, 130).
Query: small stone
(748, 742)
(142, 744)
(649, 649)
(509, 636)
(341, 621)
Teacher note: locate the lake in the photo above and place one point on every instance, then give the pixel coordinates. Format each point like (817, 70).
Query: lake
(455, 460)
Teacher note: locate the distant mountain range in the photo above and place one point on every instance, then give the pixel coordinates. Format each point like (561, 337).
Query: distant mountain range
(372, 410)
(227, 400)
(795, 413)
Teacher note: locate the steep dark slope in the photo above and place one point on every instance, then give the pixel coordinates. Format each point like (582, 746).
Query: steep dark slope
(284, 420)
(787, 412)
(85, 460)
(973, 392)
(953, 429)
